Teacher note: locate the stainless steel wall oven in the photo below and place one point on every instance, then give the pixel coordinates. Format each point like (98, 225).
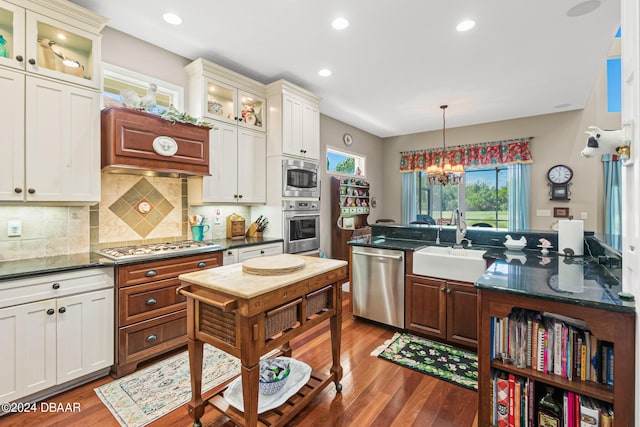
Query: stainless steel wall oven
(301, 228)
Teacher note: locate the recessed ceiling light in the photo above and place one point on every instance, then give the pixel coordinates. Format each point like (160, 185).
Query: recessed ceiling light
(340, 23)
(325, 72)
(172, 18)
(466, 25)
(583, 8)
(62, 36)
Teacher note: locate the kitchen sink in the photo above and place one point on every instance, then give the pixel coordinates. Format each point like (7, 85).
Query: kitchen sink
(465, 265)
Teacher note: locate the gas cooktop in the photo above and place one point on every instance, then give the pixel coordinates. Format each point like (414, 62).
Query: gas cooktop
(153, 249)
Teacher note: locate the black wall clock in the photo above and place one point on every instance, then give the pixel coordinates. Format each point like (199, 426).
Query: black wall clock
(559, 177)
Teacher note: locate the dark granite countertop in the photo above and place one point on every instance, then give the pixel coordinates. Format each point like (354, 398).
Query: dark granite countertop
(580, 280)
(56, 264)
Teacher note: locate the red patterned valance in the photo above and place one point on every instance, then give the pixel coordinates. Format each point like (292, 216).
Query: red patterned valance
(470, 156)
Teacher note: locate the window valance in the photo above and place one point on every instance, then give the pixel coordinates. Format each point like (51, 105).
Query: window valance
(496, 153)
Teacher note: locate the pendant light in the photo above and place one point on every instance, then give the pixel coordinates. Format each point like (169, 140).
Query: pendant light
(444, 173)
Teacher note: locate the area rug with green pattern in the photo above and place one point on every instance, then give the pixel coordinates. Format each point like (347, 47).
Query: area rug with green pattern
(442, 361)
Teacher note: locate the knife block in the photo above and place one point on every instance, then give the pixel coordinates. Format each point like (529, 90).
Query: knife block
(253, 231)
(235, 228)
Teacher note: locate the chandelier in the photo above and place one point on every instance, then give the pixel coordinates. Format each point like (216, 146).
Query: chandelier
(444, 173)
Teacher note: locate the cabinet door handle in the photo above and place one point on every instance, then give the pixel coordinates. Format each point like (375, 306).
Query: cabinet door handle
(229, 252)
(448, 291)
(151, 301)
(240, 196)
(32, 61)
(202, 264)
(151, 273)
(31, 190)
(17, 190)
(261, 251)
(62, 310)
(19, 58)
(443, 289)
(56, 286)
(50, 311)
(151, 338)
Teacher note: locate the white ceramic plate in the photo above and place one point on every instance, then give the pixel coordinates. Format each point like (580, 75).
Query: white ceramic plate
(299, 375)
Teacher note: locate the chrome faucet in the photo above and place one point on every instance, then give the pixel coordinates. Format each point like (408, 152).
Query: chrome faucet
(438, 235)
(461, 226)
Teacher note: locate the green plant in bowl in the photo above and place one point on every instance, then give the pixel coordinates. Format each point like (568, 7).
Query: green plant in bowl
(273, 375)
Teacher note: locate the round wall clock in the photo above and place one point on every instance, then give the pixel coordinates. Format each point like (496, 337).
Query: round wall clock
(559, 177)
(347, 139)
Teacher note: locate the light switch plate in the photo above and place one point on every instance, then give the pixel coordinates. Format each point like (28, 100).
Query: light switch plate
(543, 212)
(14, 228)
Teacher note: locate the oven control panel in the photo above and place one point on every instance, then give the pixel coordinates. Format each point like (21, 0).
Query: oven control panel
(301, 205)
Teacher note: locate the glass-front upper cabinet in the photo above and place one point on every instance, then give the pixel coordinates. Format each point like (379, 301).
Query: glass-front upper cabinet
(11, 35)
(231, 105)
(61, 51)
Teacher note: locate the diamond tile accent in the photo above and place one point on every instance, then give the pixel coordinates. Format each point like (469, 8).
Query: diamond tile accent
(126, 207)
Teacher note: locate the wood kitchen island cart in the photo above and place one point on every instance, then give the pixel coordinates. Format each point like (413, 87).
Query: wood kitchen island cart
(248, 315)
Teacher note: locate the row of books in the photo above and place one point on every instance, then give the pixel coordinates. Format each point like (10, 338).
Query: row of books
(523, 402)
(552, 344)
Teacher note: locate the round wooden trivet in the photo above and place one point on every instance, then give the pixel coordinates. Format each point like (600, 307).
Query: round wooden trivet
(273, 265)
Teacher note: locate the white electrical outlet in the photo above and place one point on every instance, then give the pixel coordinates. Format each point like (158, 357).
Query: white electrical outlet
(583, 215)
(14, 228)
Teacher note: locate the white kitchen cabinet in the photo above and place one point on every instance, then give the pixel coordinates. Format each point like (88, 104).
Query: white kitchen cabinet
(237, 165)
(50, 117)
(59, 40)
(249, 252)
(51, 141)
(294, 120)
(220, 94)
(55, 329)
(236, 255)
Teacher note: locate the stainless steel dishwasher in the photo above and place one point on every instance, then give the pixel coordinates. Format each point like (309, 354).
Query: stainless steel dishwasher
(378, 285)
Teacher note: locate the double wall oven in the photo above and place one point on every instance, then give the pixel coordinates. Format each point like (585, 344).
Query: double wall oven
(301, 228)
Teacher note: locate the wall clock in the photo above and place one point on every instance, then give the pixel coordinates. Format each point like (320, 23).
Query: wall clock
(559, 177)
(347, 139)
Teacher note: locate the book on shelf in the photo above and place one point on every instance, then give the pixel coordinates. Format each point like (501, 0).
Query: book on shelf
(502, 399)
(589, 413)
(552, 345)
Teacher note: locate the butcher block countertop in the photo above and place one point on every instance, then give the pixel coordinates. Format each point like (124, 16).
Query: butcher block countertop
(232, 280)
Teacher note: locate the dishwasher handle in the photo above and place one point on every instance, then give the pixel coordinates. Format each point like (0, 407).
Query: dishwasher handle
(395, 257)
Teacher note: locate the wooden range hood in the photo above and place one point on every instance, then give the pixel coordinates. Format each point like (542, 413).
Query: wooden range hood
(139, 143)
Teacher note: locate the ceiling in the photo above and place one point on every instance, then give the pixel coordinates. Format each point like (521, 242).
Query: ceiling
(398, 61)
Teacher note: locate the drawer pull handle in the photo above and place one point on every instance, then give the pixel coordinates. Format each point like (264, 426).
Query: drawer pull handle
(151, 301)
(50, 311)
(62, 310)
(202, 264)
(151, 337)
(56, 286)
(151, 273)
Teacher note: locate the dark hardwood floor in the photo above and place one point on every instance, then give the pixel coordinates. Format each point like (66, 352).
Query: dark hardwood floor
(374, 392)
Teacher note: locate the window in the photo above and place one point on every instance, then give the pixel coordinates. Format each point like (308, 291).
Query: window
(344, 163)
(117, 78)
(484, 198)
(614, 85)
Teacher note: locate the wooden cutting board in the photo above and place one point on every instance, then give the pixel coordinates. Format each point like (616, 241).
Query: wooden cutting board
(273, 265)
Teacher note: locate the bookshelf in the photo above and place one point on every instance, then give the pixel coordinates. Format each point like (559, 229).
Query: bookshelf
(350, 204)
(606, 323)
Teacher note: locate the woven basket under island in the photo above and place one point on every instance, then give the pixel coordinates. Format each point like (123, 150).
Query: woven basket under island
(248, 315)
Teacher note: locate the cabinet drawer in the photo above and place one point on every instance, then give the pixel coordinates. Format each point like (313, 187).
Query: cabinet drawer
(152, 337)
(136, 274)
(142, 302)
(48, 286)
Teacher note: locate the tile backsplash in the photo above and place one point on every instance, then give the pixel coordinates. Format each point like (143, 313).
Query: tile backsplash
(116, 221)
(46, 231)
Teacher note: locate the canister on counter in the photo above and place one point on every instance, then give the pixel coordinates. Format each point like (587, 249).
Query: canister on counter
(235, 227)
